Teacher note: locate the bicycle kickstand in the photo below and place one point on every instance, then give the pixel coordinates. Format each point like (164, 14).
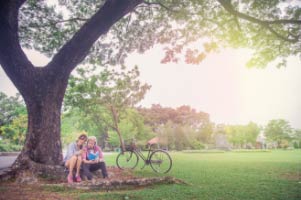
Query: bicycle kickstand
(143, 166)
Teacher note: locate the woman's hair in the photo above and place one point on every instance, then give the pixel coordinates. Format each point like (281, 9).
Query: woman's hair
(92, 138)
(82, 137)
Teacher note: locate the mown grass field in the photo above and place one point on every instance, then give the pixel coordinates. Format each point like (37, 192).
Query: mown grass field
(270, 175)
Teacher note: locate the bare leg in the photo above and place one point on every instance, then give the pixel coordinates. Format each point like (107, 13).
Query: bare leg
(70, 164)
(78, 164)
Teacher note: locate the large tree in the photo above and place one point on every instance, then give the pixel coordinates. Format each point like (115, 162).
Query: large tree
(108, 30)
(105, 97)
(242, 135)
(279, 131)
(180, 127)
(43, 88)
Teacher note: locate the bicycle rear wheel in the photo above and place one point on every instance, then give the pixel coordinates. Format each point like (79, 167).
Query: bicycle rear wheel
(160, 161)
(127, 160)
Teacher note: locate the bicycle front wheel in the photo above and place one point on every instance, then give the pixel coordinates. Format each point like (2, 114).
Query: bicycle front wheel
(160, 161)
(127, 160)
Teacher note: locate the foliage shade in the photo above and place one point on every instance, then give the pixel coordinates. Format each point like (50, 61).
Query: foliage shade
(175, 24)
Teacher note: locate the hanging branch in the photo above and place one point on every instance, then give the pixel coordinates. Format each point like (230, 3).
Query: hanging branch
(264, 23)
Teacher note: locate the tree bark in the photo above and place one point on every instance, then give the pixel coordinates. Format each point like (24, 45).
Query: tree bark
(116, 127)
(43, 123)
(43, 141)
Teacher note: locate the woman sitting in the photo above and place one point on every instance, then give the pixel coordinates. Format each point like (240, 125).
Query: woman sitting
(93, 159)
(73, 158)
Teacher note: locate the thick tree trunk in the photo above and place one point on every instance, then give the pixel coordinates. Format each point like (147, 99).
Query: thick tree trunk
(43, 124)
(43, 101)
(42, 152)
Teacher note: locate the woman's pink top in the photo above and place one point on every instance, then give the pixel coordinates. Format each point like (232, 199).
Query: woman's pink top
(95, 149)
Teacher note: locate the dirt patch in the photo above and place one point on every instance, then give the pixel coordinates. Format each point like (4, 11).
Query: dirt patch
(47, 189)
(16, 191)
(292, 176)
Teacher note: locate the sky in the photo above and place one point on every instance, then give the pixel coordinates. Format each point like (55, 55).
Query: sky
(221, 86)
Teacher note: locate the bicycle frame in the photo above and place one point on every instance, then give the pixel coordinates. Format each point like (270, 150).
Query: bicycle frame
(141, 155)
(146, 159)
(154, 157)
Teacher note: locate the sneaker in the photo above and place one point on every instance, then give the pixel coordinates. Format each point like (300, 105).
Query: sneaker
(78, 179)
(70, 178)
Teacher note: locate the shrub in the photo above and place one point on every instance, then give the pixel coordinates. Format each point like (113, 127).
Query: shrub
(8, 147)
(203, 151)
(250, 150)
(197, 145)
(296, 145)
(284, 144)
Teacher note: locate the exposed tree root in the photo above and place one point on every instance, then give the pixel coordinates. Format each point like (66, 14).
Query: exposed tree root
(25, 170)
(30, 172)
(6, 174)
(117, 184)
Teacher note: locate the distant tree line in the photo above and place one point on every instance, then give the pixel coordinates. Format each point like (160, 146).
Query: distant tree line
(104, 104)
(179, 128)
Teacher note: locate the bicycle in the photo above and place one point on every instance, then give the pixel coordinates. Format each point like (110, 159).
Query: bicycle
(159, 160)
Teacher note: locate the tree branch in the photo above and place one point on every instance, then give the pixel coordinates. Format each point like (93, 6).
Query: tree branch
(159, 4)
(281, 36)
(265, 23)
(12, 58)
(284, 21)
(74, 51)
(53, 23)
(69, 20)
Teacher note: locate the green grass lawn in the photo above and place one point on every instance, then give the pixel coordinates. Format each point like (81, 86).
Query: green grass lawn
(221, 176)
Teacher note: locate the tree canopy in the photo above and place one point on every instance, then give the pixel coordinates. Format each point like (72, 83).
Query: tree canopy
(243, 135)
(280, 131)
(270, 28)
(179, 128)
